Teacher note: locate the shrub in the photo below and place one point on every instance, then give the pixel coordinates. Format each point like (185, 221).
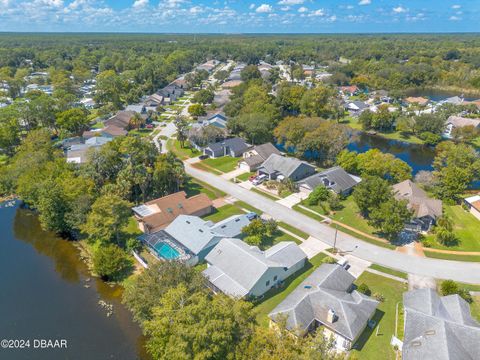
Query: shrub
(364, 289)
(445, 237)
(334, 202)
(329, 260)
(111, 263)
(427, 242)
(449, 287)
(320, 193)
(254, 240)
(379, 297)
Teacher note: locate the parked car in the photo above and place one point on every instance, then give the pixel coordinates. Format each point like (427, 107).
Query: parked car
(251, 178)
(343, 263)
(259, 179)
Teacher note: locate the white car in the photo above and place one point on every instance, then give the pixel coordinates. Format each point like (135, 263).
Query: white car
(259, 179)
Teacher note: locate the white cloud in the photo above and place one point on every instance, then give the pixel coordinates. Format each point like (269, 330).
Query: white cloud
(365, 2)
(264, 8)
(291, 2)
(302, 9)
(455, 18)
(319, 12)
(399, 9)
(195, 10)
(252, 6)
(140, 3)
(456, 6)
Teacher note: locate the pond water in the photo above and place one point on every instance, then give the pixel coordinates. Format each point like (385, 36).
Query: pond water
(419, 157)
(46, 294)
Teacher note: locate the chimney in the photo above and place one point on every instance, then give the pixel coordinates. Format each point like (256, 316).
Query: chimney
(331, 317)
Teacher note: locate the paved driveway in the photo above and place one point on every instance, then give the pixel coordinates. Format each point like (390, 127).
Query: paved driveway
(292, 200)
(460, 271)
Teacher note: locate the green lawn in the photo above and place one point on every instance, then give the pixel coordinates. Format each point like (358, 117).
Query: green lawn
(475, 307)
(263, 193)
(364, 238)
(98, 125)
(248, 207)
(307, 213)
(293, 230)
(465, 226)
(203, 167)
(141, 132)
(224, 212)
(389, 271)
(350, 215)
(183, 153)
(132, 227)
(224, 164)
(434, 255)
(246, 176)
(279, 236)
(373, 346)
(273, 297)
(195, 187)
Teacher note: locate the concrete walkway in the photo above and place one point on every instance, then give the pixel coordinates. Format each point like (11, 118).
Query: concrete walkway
(468, 272)
(313, 247)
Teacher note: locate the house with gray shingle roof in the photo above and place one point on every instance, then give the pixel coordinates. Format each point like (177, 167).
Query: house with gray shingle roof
(254, 157)
(233, 147)
(277, 166)
(199, 237)
(240, 270)
(327, 300)
(439, 328)
(425, 209)
(335, 179)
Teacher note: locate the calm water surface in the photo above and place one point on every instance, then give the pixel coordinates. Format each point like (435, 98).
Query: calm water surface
(43, 296)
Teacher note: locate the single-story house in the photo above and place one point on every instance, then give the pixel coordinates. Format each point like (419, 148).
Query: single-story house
(232, 83)
(217, 119)
(199, 237)
(113, 131)
(121, 119)
(255, 156)
(279, 167)
(137, 108)
(416, 100)
(233, 147)
(157, 214)
(454, 100)
(350, 90)
(473, 203)
(171, 93)
(327, 300)
(208, 66)
(425, 209)
(78, 153)
(335, 179)
(240, 270)
(356, 107)
(459, 122)
(440, 328)
(153, 100)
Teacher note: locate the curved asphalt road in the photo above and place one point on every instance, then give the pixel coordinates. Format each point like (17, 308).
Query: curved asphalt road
(468, 272)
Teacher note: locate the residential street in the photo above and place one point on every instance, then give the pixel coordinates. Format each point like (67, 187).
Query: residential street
(468, 272)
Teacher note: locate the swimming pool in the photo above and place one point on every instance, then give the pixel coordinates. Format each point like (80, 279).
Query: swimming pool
(166, 251)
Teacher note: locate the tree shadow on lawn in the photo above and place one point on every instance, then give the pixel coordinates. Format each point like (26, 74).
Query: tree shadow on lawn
(367, 333)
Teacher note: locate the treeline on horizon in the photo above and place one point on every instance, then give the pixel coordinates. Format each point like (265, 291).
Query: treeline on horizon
(396, 61)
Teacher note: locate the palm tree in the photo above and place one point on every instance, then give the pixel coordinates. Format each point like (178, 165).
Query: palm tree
(136, 121)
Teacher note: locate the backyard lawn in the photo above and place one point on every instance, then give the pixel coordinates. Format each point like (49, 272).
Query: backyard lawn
(224, 164)
(273, 297)
(465, 226)
(373, 345)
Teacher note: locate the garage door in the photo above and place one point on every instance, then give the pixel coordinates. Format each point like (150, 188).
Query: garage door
(244, 166)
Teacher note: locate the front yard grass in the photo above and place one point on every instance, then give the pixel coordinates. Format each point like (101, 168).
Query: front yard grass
(465, 226)
(264, 193)
(245, 176)
(203, 167)
(389, 271)
(185, 152)
(141, 132)
(244, 205)
(454, 257)
(293, 230)
(224, 164)
(350, 215)
(194, 187)
(475, 307)
(223, 212)
(370, 344)
(274, 296)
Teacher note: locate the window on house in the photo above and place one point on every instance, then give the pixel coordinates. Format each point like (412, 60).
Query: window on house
(275, 278)
(268, 283)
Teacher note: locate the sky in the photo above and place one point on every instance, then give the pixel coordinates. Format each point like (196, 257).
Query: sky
(237, 16)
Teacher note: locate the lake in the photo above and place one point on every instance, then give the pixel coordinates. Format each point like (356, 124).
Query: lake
(439, 95)
(419, 157)
(47, 293)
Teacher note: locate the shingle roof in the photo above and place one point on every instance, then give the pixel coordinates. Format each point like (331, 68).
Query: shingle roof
(121, 119)
(196, 234)
(265, 150)
(236, 144)
(237, 266)
(439, 327)
(334, 178)
(283, 165)
(159, 212)
(458, 121)
(327, 288)
(418, 200)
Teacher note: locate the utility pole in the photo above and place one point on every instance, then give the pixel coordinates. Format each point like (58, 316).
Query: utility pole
(335, 240)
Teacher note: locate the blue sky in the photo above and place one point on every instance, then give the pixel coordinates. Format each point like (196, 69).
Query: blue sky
(236, 16)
